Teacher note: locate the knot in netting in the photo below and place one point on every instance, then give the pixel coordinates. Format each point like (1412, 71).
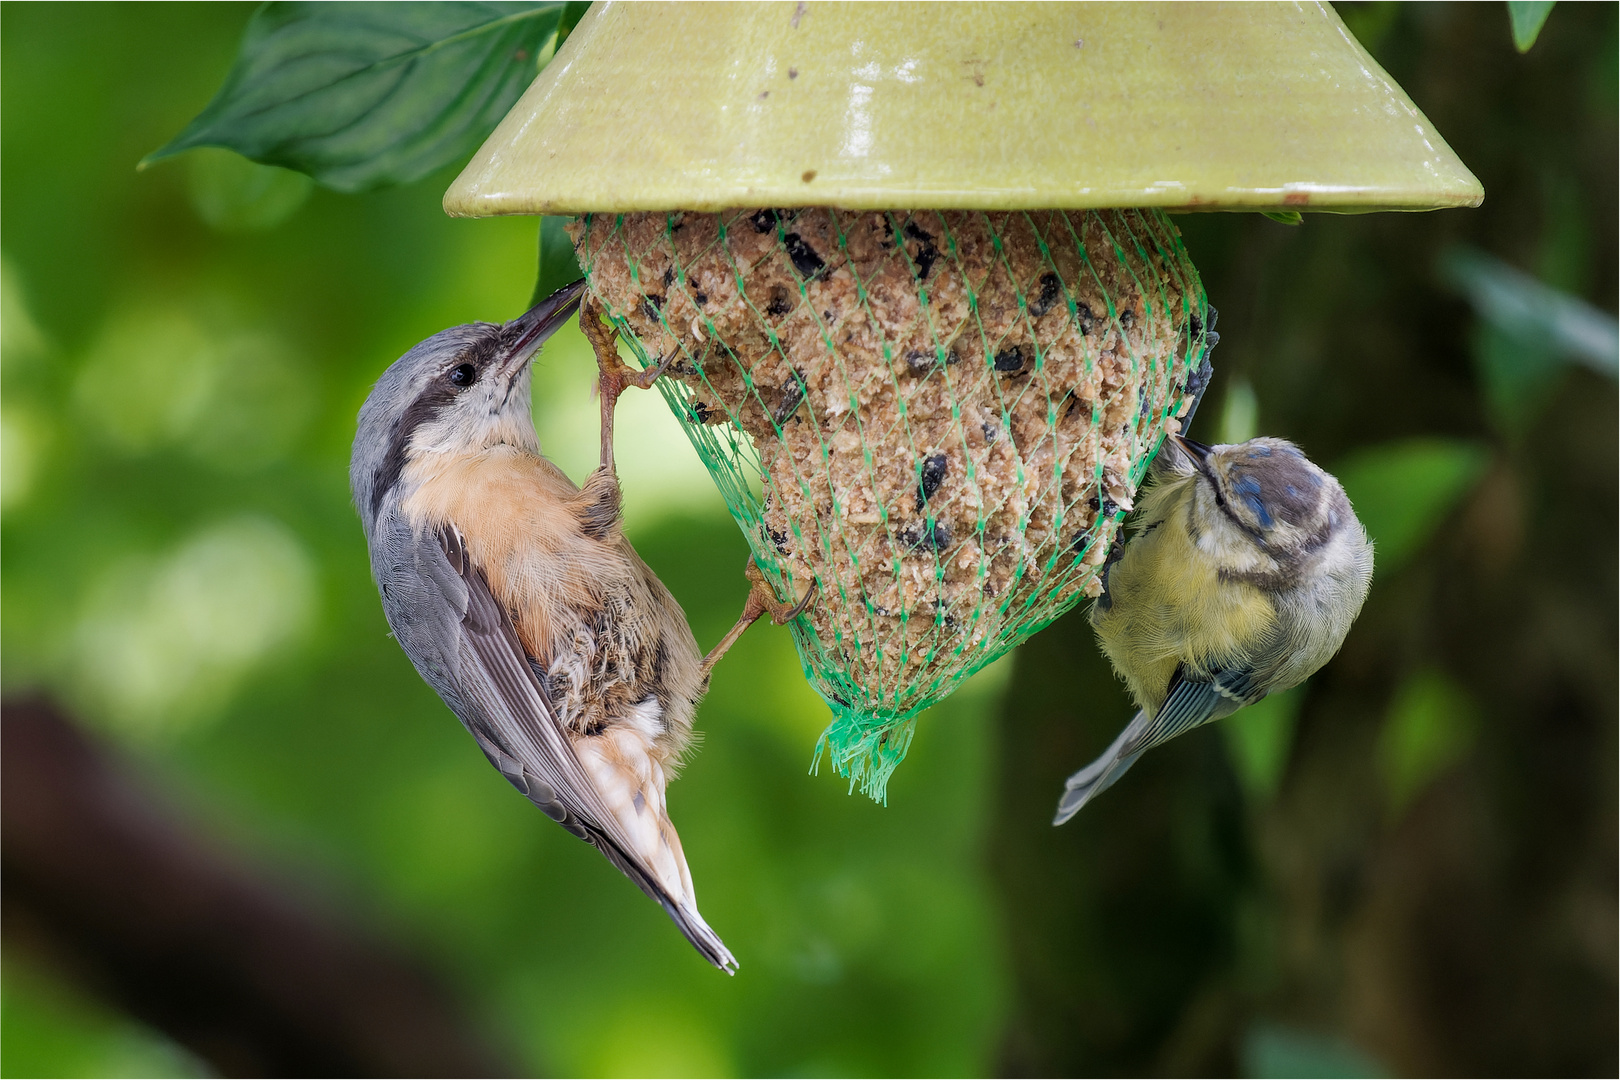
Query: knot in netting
(939, 418)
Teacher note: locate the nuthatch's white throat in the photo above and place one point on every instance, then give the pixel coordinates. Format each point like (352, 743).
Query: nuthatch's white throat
(1243, 578)
(519, 600)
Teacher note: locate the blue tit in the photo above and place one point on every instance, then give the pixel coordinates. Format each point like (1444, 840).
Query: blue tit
(1243, 578)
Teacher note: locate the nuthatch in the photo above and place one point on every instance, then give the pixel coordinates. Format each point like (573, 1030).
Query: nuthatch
(1247, 570)
(518, 598)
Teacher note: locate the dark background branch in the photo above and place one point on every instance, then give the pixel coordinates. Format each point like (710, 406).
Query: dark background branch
(114, 888)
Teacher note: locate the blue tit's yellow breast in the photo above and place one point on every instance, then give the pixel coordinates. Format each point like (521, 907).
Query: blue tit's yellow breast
(1168, 604)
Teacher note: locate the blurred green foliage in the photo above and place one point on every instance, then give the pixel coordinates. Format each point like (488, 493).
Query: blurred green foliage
(1415, 849)
(1273, 1050)
(51, 1030)
(1259, 738)
(1430, 725)
(558, 263)
(1402, 492)
(184, 352)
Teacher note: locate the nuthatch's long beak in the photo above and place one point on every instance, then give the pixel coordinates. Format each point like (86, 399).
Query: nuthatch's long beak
(539, 323)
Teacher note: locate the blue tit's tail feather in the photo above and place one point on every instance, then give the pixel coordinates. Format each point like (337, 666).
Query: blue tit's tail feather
(1100, 775)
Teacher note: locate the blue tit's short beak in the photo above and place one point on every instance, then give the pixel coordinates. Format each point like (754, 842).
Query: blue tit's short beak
(1196, 454)
(1197, 450)
(540, 322)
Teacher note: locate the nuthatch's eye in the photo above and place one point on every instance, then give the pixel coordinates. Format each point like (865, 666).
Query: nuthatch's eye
(463, 375)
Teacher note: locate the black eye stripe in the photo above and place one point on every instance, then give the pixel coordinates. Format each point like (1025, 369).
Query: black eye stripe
(435, 396)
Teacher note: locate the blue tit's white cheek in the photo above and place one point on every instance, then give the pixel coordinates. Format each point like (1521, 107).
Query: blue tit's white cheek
(1231, 548)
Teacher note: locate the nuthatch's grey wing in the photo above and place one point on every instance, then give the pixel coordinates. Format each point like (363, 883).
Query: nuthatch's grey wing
(1190, 703)
(423, 599)
(507, 711)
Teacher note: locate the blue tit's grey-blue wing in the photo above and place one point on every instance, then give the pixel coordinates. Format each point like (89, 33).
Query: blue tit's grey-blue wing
(1191, 702)
(1100, 775)
(508, 712)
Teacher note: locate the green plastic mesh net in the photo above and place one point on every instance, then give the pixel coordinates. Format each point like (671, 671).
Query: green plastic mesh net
(939, 418)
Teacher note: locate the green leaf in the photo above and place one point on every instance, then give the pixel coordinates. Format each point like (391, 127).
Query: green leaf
(1285, 217)
(1519, 378)
(1528, 17)
(233, 194)
(1274, 1050)
(363, 95)
(1259, 737)
(1431, 724)
(1403, 491)
(558, 263)
(1528, 333)
(1535, 314)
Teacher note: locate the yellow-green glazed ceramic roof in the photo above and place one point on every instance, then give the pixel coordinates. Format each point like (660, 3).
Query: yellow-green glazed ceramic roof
(992, 106)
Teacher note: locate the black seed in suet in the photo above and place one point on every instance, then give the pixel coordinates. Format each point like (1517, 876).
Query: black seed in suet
(926, 536)
(700, 298)
(781, 301)
(930, 476)
(669, 277)
(779, 540)
(792, 398)
(805, 260)
(1127, 319)
(991, 431)
(764, 221)
(920, 362)
(651, 305)
(1010, 359)
(1051, 290)
(1083, 317)
(926, 251)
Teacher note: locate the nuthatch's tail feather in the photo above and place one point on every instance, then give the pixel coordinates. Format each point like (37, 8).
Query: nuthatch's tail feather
(690, 923)
(1100, 775)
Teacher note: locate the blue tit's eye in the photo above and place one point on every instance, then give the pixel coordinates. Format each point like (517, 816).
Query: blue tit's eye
(463, 375)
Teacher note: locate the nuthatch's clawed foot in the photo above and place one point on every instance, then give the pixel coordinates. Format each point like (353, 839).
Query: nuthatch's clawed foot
(761, 601)
(615, 376)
